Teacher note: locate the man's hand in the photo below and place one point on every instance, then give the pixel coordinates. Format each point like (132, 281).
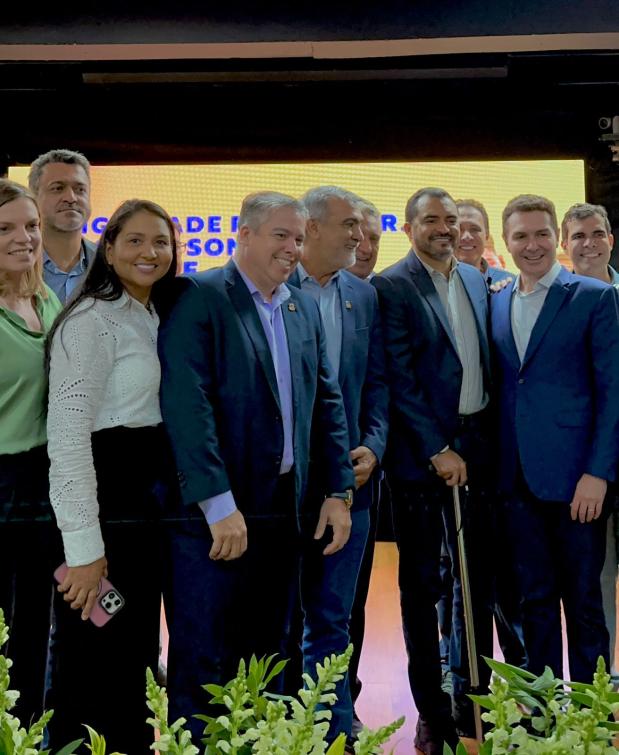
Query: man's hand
(365, 462)
(229, 537)
(588, 498)
(81, 585)
(334, 512)
(451, 467)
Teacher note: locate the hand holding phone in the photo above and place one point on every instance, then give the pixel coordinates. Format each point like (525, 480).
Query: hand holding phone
(107, 602)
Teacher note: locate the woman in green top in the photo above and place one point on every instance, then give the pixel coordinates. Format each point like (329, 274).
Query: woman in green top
(29, 545)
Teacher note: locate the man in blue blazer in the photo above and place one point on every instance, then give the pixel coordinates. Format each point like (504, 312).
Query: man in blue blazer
(556, 338)
(245, 381)
(349, 310)
(434, 312)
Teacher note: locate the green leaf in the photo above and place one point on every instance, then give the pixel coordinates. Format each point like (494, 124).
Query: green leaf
(70, 748)
(507, 671)
(338, 747)
(484, 701)
(276, 670)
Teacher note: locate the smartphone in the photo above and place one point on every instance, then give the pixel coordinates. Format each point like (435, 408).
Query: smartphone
(109, 600)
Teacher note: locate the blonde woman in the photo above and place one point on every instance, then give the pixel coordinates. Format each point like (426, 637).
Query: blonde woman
(29, 545)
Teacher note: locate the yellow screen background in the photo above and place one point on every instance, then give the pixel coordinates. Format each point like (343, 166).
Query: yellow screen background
(216, 190)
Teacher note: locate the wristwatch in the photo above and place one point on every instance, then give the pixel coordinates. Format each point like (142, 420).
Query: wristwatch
(346, 496)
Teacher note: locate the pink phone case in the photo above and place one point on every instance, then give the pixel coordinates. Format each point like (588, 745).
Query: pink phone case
(108, 603)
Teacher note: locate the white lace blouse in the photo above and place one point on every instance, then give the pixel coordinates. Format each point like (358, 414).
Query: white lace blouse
(104, 372)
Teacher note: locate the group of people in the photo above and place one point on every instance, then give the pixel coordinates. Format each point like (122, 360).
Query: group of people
(221, 440)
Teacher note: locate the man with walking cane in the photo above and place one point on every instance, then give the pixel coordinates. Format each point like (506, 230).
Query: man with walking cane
(434, 312)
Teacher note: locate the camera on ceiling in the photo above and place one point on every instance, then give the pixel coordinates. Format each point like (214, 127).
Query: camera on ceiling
(609, 122)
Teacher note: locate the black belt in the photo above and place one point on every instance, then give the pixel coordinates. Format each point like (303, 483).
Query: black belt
(477, 419)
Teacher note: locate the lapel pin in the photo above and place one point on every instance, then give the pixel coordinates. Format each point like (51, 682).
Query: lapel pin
(348, 304)
(292, 307)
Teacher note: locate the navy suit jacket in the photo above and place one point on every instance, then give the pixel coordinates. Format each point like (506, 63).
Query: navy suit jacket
(361, 375)
(219, 394)
(559, 409)
(425, 373)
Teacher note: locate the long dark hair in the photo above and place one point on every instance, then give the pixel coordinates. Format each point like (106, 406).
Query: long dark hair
(102, 282)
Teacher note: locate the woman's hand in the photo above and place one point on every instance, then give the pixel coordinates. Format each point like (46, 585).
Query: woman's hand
(81, 585)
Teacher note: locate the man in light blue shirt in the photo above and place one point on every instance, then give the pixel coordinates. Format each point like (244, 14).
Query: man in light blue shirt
(246, 382)
(60, 180)
(349, 312)
(556, 338)
(586, 236)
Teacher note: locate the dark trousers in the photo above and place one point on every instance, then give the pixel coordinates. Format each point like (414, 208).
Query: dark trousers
(98, 673)
(557, 560)
(357, 615)
(422, 511)
(221, 611)
(30, 550)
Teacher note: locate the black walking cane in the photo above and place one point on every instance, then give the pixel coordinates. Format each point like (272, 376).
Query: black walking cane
(467, 604)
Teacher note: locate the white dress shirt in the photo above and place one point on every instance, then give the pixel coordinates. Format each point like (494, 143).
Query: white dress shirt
(461, 318)
(104, 372)
(526, 308)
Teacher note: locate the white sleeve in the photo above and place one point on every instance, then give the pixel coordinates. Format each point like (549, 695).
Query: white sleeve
(81, 360)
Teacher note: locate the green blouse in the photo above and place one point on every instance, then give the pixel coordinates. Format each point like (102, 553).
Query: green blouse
(23, 385)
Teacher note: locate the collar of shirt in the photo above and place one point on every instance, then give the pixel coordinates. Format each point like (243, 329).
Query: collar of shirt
(304, 275)
(79, 267)
(545, 281)
(434, 273)
(279, 296)
(483, 266)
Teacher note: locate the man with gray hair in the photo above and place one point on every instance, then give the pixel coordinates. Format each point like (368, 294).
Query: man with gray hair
(244, 374)
(367, 251)
(349, 310)
(60, 180)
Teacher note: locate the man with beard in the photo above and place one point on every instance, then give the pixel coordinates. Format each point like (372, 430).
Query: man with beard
(60, 180)
(434, 311)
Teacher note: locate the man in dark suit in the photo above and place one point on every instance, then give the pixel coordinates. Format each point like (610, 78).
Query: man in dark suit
(244, 370)
(349, 310)
(434, 312)
(556, 338)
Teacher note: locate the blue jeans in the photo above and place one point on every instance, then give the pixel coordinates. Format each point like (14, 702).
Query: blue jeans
(328, 586)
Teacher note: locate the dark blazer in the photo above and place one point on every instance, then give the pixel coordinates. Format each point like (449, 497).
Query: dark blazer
(219, 393)
(559, 409)
(425, 373)
(361, 375)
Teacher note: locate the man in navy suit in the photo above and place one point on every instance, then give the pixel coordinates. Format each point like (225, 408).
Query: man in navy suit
(556, 338)
(586, 236)
(434, 311)
(349, 310)
(474, 234)
(244, 371)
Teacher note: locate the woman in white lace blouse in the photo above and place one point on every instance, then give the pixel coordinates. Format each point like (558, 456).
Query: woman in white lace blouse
(108, 457)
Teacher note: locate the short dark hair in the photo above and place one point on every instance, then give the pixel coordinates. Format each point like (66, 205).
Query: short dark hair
(67, 156)
(410, 213)
(476, 206)
(530, 203)
(582, 211)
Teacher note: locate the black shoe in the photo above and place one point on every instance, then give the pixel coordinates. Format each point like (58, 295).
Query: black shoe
(463, 713)
(430, 736)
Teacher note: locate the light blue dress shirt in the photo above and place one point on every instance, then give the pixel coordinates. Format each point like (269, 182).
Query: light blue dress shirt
(64, 283)
(526, 308)
(270, 312)
(328, 299)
